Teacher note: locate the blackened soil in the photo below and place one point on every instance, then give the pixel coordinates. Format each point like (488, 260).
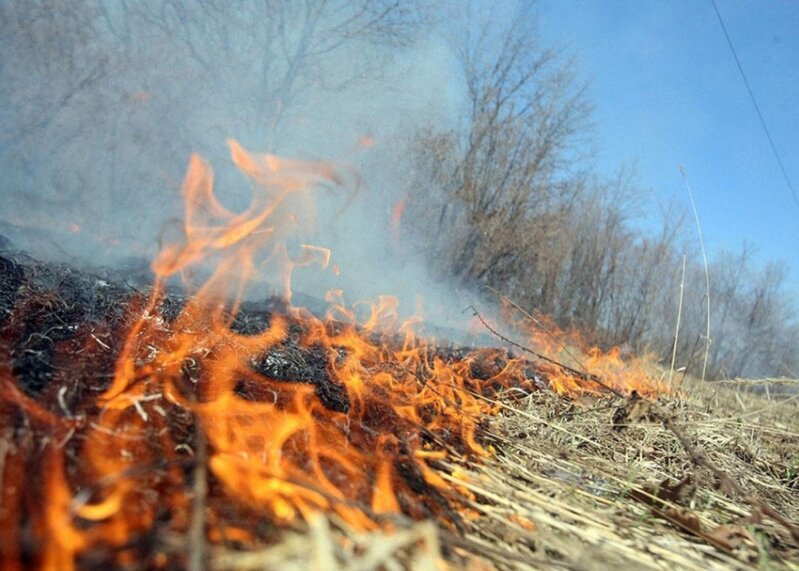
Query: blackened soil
(49, 314)
(292, 363)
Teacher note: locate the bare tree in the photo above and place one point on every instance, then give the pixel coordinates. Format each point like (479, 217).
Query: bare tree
(506, 174)
(265, 59)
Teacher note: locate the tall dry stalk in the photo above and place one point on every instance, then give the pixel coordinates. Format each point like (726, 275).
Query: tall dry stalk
(707, 273)
(677, 328)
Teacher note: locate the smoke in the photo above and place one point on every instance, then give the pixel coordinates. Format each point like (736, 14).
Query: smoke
(102, 107)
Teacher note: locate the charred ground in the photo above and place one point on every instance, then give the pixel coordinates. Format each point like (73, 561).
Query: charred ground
(708, 480)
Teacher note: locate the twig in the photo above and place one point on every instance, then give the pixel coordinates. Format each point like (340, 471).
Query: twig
(540, 325)
(496, 554)
(726, 482)
(197, 545)
(583, 375)
(757, 382)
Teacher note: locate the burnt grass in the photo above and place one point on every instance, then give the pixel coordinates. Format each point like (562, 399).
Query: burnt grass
(50, 313)
(62, 330)
(61, 333)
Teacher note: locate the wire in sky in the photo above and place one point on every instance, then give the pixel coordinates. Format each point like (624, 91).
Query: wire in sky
(756, 106)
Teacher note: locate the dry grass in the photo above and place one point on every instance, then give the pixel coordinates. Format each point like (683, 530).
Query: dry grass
(567, 488)
(566, 468)
(571, 483)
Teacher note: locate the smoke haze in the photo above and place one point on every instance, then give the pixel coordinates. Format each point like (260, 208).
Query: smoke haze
(103, 106)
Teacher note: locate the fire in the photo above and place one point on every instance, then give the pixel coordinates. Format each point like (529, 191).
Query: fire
(348, 414)
(573, 366)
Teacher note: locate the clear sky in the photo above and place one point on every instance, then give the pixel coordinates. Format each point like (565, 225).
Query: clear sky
(667, 93)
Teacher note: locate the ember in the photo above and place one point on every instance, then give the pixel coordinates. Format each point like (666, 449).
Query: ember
(114, 404)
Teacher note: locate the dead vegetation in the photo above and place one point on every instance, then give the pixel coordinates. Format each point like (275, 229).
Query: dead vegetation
(707, 479)
(603, 493)
(570, 487)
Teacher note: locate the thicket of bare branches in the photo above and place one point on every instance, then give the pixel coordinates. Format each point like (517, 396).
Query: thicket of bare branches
(101, 102)
(505, 200)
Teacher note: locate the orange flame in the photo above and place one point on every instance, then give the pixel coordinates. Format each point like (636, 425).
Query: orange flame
(348, 414)
(581, 359)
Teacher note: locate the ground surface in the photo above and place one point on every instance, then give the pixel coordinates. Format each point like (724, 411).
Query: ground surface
(705, 479)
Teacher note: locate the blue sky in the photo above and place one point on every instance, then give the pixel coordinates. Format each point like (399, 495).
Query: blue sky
(667, 94)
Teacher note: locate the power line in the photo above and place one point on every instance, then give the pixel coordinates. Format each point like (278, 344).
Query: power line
(756, 106)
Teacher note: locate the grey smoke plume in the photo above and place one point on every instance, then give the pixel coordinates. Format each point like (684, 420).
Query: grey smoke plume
(101, 105)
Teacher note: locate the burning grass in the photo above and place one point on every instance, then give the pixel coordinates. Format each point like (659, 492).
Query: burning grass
(563, 485)
(147, 429)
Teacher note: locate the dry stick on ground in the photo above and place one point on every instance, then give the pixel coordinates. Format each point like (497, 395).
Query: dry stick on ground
(197, 544)
(500, 554)
(581, 374)
(727, 483)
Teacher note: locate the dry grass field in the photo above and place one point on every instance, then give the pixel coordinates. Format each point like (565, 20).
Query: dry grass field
(707, 478)
(570, 487)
